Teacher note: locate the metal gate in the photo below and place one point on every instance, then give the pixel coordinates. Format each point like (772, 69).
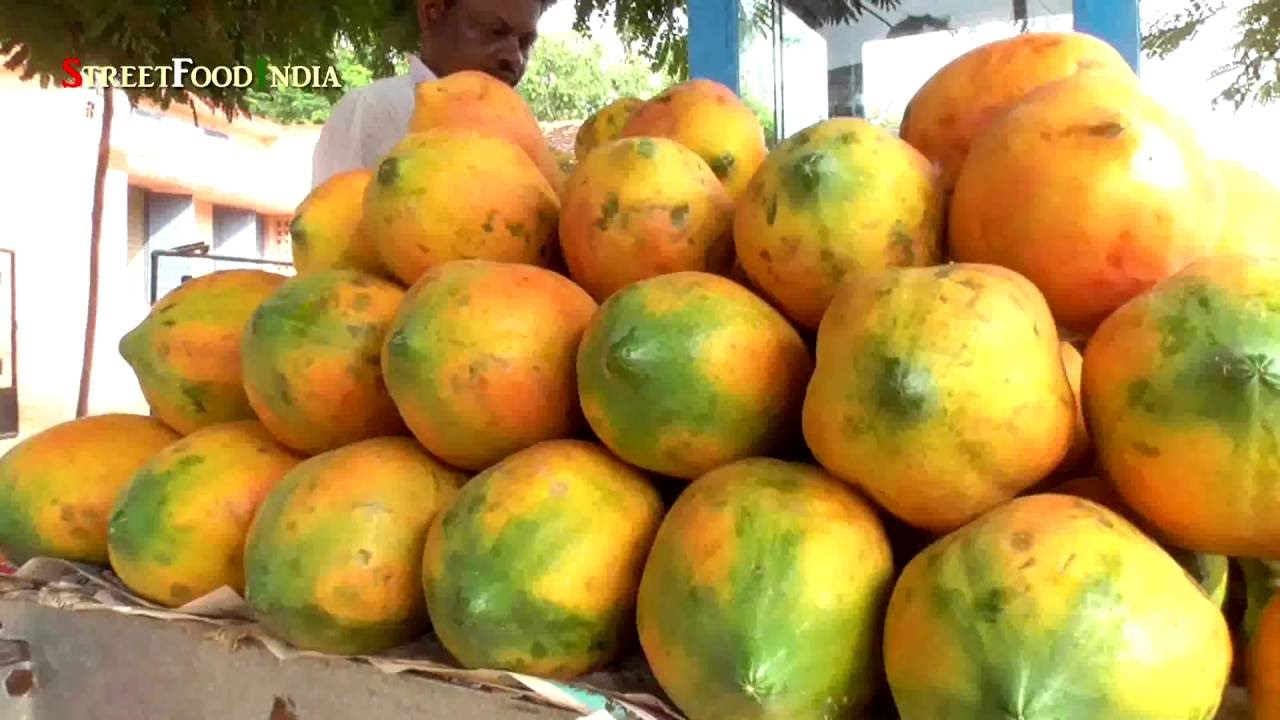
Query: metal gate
(171, 268)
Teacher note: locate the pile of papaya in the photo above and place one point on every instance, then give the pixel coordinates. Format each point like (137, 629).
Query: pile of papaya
(978, 419)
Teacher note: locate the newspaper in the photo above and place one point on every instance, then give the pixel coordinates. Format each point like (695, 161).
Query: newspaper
(626, 691)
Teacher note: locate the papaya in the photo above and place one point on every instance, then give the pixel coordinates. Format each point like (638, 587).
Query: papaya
(1141, 193)
(604, 126)
(1181, 386)
(1081, 450)
(480, 359)
(534, 567)
(58, 486)
(682, 373)
(333, 558)
(177, 531)
(1052, 606)
(325, 230)
(958, 101)
(840, 198)
(709, 119)
(764, 593)
(939, 391)
(1209, 571)
(453, 195)
(312, 360)
(186, 352)
(642, 207)
(1252, 212)
(474, 100)
(1264, 665)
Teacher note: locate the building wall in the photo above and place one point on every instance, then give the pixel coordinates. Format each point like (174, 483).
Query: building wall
(48, 149)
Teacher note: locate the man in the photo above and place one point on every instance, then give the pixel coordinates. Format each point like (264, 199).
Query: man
(492, 36)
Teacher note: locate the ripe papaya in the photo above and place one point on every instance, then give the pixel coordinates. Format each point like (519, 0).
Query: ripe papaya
(1209, 571)
(1053, 606)
(642, 207)
(177, 530)
(682, 373)
(709, 119)
(841, 198)
(186, 352)
(451, 194)
(1143, 197)
(325, 230)
(312, 360)
(1181, 388)
(480, 359)
(604, 126)
(1252, 211)
(58, 487)
(958, 102)
(940, 391)
(333, 558)
(535, 565)
(476, 101)
(764, 593)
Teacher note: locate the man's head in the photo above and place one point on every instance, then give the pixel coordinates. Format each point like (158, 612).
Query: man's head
(493, 36)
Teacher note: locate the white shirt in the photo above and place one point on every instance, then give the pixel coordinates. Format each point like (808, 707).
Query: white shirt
(366, 123)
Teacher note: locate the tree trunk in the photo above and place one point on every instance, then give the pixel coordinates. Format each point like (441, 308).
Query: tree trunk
(95, 245)
(1019, 9)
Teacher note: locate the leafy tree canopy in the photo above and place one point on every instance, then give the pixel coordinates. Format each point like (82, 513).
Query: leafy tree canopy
(569, 78)
(1254, 68)
(37, 35)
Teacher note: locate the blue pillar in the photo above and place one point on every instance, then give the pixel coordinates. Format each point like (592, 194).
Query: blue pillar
(713, 41)
(1116, 21)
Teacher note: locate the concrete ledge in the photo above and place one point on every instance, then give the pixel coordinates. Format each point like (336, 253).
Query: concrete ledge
(61, 665)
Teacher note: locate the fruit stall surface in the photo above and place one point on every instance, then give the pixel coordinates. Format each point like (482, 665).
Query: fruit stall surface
(972, 419)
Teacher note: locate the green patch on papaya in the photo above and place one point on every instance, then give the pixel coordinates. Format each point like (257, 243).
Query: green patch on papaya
(1022, 668)
(310, 627)
(903, 390)
(902, 247)
(19, 539)
(298, 234)
(388, 171)
(484, 600)
(818, 177)
(831, 265)
(608, 211)
(197, 396)
(140, 528)
(733, 633)
(722, 165)
(283, 571)
(645, 148)
(643, 368)
(680, 215)
(771, 210)
(1219, 362)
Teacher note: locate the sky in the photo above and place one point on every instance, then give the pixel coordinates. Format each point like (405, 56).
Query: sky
(559, 19)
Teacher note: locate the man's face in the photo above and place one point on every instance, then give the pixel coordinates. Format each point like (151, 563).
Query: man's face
(493, 36)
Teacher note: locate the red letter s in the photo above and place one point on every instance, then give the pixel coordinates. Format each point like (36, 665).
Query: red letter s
(71, 66)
